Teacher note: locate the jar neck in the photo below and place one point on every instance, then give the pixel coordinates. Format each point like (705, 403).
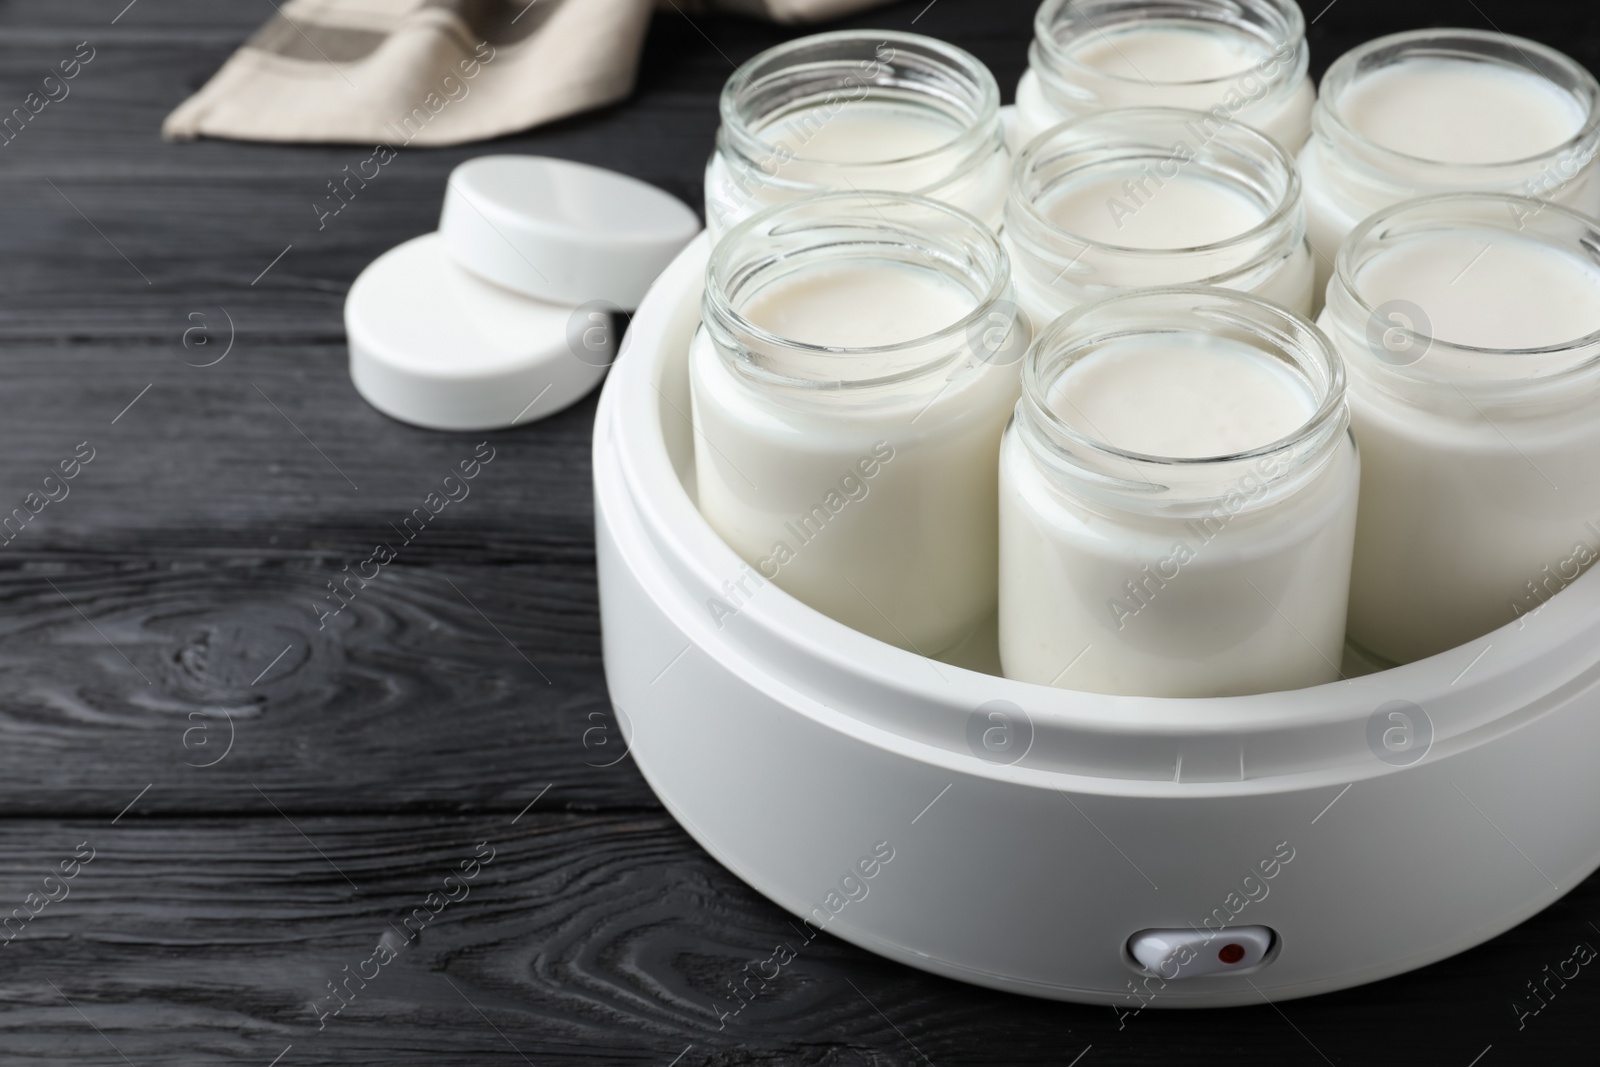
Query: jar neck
(1274, 29)
(1141, 152)
(1388, 342)
(1108, 478)
(1367, 175)
(779, 109)
(884, 231)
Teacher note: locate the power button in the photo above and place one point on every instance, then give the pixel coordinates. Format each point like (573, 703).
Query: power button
(1192, 953)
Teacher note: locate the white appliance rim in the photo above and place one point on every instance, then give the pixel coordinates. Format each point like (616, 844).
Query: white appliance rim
(1471, 694)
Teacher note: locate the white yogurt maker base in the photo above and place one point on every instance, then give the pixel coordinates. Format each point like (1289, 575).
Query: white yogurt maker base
(792, 747)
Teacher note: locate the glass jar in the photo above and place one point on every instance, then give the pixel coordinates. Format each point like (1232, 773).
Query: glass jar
(1177, 500)
(858, 110)
(1436, 111)
(1471, 327)
(857, 361)
(1244, 60)
(1154, 197)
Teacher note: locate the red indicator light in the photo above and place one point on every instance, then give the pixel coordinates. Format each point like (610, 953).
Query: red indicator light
(1231, 953)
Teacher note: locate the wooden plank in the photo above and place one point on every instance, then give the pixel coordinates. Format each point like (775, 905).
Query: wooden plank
(115, 256)
(269, 451)
(437, 688)
(170, 18)
(602, 940)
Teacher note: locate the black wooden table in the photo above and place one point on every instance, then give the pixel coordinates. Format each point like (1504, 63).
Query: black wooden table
(250, 807)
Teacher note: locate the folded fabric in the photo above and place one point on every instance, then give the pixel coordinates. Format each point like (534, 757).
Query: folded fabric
(436, 72)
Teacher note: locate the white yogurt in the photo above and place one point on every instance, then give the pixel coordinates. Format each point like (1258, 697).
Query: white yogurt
(1177, 501)
(858, 110)
(1150, 197)
(1480, 485)
(1445, 111)
(859, 304)
(1177, 53)
(1188, 210)
(1460, 111)
(1185, 396)
(1098, 55)
(1489, 290)
(845, 447)
(869, 130)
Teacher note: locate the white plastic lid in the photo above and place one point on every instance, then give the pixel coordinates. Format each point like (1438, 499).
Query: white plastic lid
(561, 231)
(432, 345)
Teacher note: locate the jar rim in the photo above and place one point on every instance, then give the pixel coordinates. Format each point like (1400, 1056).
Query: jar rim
(1346, 289)
(1292, 26)
(718, 308)
(1119, 120)
(1319, 352)
(1469, 46)
(736, 131)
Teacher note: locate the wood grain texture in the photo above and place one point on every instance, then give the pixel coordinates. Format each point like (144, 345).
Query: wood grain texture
(271, 449)
(437, 688)
(289, 793)
(597, 939)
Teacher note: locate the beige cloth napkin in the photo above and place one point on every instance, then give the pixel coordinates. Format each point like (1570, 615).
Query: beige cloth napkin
(436, 72)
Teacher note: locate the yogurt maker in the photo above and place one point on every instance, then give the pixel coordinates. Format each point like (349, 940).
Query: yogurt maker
(1072, 845)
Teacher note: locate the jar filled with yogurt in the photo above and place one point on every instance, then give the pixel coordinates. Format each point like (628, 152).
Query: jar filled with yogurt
(1471, 327)
(1437, 111)
(1154, 197)
(1177, 500)
(857, 361)
(858, 110)
(1243, 60)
